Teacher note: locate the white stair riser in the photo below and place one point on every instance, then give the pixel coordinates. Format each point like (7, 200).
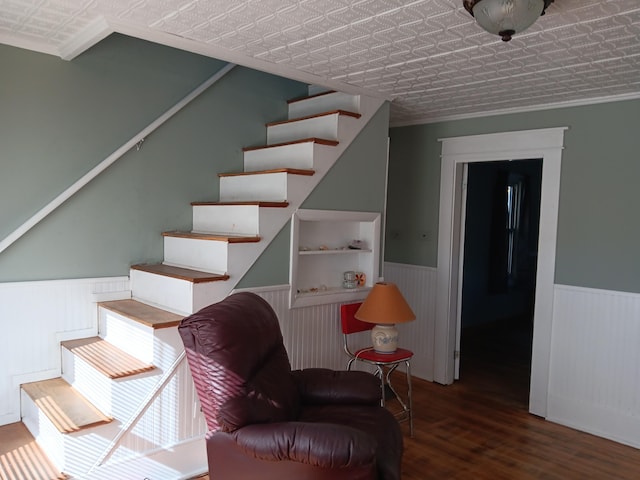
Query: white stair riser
(324, 103)
(77, 453)
(294, 155)
(156, 346)
(175, 295)
(117, 398)
(231, 219)
(268, 187)
(185, 460)
(74, 453)
(326, 127)
(204, 255)
(126, 334)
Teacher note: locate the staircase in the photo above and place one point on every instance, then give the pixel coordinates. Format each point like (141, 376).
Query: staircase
(125, 406)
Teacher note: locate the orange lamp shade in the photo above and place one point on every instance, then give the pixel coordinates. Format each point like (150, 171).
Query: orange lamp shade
(385, 305)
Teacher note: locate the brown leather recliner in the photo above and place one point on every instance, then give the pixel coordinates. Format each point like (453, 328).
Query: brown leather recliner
(268, 422)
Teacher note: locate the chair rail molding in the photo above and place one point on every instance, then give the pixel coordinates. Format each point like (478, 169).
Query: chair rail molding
(136, 140)
(546, 144)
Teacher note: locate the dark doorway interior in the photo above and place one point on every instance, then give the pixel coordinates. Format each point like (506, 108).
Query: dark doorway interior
(498, 291)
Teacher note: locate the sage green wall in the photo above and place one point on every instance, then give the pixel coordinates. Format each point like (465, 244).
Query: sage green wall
(356, 182)
(59, 119)
(598, 224)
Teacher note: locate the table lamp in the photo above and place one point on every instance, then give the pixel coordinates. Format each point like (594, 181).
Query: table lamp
(385, 306)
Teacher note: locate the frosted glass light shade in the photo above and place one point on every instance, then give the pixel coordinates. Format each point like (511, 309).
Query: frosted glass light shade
(506, 17)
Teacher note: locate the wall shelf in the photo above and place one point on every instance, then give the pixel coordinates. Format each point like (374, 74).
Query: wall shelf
(320, 255)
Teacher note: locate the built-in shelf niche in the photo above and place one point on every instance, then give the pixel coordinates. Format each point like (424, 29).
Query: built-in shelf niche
(321, 253)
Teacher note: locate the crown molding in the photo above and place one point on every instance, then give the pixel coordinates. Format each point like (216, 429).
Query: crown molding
(97, 30)
(508, 111)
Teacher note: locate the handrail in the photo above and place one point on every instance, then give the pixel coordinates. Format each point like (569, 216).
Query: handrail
(140, 411)
(98, 169)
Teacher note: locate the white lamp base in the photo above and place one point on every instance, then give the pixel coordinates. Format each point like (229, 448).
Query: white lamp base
(384, 338)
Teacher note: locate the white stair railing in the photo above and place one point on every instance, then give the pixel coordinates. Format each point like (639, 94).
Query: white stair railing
(107, 162)
(140, 411)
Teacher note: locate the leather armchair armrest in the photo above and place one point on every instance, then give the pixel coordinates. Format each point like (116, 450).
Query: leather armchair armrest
(318, 444)
(321, 386)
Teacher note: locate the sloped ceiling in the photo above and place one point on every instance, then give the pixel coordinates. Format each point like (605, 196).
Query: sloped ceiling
(427, 56)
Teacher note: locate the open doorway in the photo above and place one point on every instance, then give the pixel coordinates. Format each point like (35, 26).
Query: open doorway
(502, 216)
(457, 152)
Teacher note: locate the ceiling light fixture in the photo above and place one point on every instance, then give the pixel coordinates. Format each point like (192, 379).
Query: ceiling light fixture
(506, 17)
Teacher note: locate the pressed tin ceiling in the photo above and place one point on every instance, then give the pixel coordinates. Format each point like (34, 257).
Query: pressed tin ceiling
(428, 56)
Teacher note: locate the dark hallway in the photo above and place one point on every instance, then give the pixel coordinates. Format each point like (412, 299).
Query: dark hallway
(500, 255)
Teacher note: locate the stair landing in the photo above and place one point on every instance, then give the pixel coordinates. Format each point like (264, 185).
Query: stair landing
(64, 406)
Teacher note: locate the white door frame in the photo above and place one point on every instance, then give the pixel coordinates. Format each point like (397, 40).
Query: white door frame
(546, 144)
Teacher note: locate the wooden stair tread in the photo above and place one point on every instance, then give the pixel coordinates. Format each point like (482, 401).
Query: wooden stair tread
(219, 237)
(319, 141)
(142, 313)
(106, 357)
(245, 203)
(64, 406)
(193, 276)
(317, 115)
(21, 458)
(292, 171)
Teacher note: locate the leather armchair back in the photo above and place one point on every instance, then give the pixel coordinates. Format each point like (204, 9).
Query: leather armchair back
(240, 368)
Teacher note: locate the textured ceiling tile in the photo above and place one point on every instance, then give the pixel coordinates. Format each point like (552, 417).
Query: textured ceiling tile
(427, 55)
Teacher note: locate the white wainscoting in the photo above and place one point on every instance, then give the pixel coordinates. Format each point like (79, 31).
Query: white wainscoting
(313, 337)
(35, 317)
(418, 285)
(594, 382)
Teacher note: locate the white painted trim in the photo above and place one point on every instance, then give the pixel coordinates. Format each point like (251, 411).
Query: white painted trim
(107, 162)
(546, 144)
(271, 288)
(512, 110)
(40, 47)
(598, 291)
(63, 281)
(409, 266)
(86, 38)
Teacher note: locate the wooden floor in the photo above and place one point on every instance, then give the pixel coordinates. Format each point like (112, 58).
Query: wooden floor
(479, 428)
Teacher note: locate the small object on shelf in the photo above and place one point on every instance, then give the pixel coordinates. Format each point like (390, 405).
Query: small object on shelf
(361, 278)
(349, 279)
(357, 245)
(323, 247)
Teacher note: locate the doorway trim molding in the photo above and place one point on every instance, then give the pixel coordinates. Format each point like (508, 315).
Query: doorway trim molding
(546, 144)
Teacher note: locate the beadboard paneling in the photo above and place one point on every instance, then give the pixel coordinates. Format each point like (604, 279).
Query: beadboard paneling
(594, 381)
(313, 337)
(35, 317)
(418, 285)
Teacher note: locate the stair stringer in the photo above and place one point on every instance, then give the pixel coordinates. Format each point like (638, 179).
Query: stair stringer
(271, 221)
(155, 290)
